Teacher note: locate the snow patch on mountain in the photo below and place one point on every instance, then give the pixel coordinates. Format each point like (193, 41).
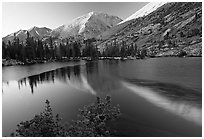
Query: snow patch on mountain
(80, 21)
(37, 32)
(20, 31)
(150, 7)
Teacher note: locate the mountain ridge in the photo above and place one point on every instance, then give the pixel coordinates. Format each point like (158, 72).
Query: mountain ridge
(147, 9)
(36, 32)
(88, 25)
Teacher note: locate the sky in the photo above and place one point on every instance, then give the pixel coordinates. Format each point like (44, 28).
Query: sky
(24, 15)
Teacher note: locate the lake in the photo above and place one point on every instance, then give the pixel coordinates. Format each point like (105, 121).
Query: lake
(157, 97)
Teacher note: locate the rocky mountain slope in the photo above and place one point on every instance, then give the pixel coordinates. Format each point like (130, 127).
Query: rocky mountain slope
(173, 29)
(36, 32)
(150, 7)
(87, 26)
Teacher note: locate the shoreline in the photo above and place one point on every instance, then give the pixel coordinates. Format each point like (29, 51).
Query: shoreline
(14, 62)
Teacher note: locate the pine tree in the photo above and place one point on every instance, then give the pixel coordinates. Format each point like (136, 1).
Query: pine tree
(51, 48)
(40, 49)
(3, 49)
(30, 47)
(22, 52)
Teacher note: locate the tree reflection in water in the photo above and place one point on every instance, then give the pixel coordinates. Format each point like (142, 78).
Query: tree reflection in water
(62, 74)
(92, 67)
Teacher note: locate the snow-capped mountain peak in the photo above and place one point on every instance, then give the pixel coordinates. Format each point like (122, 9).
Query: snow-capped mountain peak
(150, 7)
(87, 26)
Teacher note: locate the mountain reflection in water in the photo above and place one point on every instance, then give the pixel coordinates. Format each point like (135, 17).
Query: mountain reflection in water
(190, 110)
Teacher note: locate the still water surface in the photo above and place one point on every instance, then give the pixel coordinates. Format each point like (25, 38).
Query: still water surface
(157, 97)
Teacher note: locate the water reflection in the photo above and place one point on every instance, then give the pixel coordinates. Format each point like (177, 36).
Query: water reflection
(159, 107)
(74, 76)
(92, 67)
(66, 74)
(188, 107)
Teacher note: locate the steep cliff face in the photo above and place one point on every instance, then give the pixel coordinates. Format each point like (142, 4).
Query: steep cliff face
(171, 30)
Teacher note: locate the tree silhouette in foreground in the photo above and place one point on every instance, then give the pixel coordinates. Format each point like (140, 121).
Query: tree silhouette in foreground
(92, 121)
